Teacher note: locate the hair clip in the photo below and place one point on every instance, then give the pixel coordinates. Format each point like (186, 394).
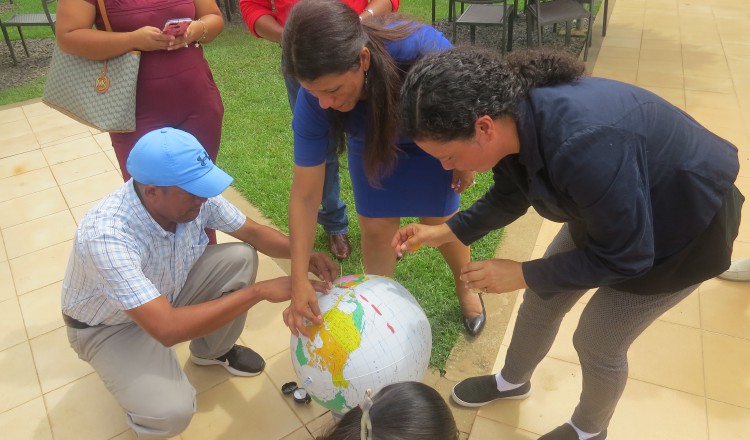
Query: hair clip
(365, 432)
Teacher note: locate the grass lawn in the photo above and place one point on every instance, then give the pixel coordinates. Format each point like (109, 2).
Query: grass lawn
(257, 150)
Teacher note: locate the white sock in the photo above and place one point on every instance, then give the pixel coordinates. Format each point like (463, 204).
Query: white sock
(504, 385)
(581, 434)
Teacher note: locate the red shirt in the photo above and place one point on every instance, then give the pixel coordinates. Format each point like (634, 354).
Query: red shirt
(252, 10)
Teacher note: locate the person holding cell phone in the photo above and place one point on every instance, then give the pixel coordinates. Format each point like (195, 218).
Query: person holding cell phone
(172, 62)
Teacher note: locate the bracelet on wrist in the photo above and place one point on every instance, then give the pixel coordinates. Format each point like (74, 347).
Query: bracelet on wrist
(203, 35)
(372, 13)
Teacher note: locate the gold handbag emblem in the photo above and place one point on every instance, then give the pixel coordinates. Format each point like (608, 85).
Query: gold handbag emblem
(102, 83)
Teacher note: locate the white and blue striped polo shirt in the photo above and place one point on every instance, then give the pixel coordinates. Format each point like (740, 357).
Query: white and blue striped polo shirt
(122, 258)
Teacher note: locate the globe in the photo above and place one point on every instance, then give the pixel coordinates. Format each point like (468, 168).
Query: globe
(374, 333)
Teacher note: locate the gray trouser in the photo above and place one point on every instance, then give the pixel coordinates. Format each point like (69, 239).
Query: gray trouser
(144, 376)
(610, 322)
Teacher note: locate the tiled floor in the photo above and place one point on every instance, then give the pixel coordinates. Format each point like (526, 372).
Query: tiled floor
(689, 371)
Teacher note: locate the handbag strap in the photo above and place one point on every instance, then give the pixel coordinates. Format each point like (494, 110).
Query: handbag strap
(103, 11)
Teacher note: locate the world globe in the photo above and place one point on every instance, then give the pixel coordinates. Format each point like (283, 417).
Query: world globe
(374, 333)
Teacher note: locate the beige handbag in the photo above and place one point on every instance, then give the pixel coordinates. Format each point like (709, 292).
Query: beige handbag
(100, 94)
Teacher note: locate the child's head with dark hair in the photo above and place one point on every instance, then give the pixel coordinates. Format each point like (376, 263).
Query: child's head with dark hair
(401, 411)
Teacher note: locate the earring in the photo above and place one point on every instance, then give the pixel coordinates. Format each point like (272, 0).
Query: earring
(366, 78)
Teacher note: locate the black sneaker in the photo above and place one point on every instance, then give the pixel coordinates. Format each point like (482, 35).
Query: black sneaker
(567, 432)
(480, 390)
(240, 361)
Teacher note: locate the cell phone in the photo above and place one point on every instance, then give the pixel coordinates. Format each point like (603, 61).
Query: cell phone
(176, 26)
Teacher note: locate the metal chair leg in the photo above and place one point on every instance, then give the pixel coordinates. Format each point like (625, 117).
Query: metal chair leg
(23, 41)
(10, 46)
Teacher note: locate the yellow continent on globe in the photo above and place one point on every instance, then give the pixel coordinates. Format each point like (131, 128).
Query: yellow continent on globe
(339, 336)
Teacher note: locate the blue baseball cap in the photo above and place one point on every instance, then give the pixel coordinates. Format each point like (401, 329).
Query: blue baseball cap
(172, 157)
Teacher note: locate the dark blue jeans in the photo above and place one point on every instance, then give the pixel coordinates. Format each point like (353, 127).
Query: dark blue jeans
(332, 214)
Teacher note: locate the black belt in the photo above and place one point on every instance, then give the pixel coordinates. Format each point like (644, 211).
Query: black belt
(74, 323)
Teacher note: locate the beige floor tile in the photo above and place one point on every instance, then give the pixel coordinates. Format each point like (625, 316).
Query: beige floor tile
(54, 128)
(620, 69)
(264, 329)
(90, 189)
(725, 306)
(708, 83)
(687, 312)
(19, 384)
(41, 109)
(727, 422)
(84, 410)
(725, 361)
(509, 332)
(300, 434)
(669, 34)
(669, 355)
(12, 331)
(674, 96)
(56, 363)
(649, 54)
(40, 268)
(26, 183)
(81, 168)
(547, 232)
(562, 348)
(202, 378)
(38, 234)
(3, 255)
(619, 53)
(650, 77)
(320, 425)
(737, 136)
(103, 140)
(31, 206)
(113, 160)
(650, 412)
(725, 101)
(555, 387)
(7, 289)
(739, 70)
(280, 370)
(718, 69)
(702, 37)
(741, 248)
(71, 150)
(241, 406)
(22, 163)
(41, 310)
(80, 211)
(12, 115)
(65, 139)
(736, 51)
(28, 421)
(632, 43)
(488, 429)
(715, 119)
(16, 138)
(623, 33)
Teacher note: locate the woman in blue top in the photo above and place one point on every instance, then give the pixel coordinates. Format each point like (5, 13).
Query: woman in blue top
(350, 71)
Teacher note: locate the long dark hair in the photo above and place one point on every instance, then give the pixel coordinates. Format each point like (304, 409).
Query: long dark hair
(444, 93)
(323, 37)
(400, 411)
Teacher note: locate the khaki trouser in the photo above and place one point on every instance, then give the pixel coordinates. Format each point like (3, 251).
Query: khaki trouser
(144, 376)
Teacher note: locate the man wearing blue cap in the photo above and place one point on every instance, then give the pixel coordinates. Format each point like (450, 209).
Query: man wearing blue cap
(141, 278)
